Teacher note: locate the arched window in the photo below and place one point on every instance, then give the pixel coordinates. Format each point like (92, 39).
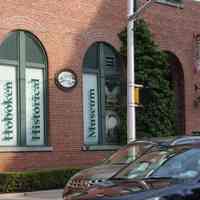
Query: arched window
(23, 77)
(101, 95)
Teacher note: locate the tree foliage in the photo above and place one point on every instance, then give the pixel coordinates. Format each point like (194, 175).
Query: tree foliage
(157, 117)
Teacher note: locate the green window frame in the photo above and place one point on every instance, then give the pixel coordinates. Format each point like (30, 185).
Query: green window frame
(101, 68)
(23, 52)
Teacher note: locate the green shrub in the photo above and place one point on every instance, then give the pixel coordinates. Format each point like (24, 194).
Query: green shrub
(157, 117)
(35, 180)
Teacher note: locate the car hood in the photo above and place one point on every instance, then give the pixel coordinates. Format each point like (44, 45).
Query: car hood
(102, 172)
(118, 188)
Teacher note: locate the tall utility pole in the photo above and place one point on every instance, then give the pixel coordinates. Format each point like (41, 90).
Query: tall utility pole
(131, 119)
(133, 13)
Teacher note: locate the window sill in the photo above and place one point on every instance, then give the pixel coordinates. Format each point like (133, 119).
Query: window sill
(26, 149)
(100, 147)
(164, 2)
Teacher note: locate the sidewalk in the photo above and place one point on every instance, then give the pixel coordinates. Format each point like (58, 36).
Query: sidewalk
(39, 195)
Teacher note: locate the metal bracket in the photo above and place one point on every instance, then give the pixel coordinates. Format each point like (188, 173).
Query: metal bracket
(140, 10)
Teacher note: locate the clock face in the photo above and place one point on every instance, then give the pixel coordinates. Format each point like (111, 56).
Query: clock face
(66, 79)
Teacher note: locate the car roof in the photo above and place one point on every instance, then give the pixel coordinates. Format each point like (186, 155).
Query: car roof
(194, 139)
(180, 147)
(186, 140)
(141, 141)
(166, 142)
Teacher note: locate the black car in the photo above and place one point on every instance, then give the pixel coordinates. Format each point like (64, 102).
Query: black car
(101, 172)
(170, 173)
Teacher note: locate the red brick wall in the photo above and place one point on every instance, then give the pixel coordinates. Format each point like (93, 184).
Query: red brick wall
(66, 29)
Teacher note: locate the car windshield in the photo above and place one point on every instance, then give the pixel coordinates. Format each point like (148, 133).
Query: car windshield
(123, 156)
(170, 163)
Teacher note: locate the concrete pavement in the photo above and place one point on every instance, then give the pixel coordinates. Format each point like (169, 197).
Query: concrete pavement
(39, 195)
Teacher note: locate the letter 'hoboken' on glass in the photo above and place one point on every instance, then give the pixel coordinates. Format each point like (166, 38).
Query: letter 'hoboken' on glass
(7, 106)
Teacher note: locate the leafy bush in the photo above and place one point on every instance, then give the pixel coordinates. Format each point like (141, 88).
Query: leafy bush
(158, 115)
(34, 180)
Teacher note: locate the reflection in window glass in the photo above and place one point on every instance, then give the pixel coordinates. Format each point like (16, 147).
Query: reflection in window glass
(169, 163)
(144, 166)
(129, 153)
(34, 52)
(183, 165)
(112, 108)
(9, 47)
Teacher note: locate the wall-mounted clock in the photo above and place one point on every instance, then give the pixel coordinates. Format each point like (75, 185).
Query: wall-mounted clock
(66, 79)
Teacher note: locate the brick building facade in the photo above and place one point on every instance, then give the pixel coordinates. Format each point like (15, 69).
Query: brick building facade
(66, 35)
(174, 29)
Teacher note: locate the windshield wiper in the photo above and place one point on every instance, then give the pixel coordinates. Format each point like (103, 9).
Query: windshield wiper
(160, 177)
(113, 178)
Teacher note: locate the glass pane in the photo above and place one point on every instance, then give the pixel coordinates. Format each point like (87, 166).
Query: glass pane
(110, 59)
(8, 106)
(112, 109)
(9, 47)
(91, 57)
(90, 108)
(34, 52)
(34, 107)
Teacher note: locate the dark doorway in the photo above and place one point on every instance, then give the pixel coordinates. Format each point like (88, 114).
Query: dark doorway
(176, 77)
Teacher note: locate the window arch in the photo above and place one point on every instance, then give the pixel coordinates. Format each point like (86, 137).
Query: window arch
(101, 95)
(23, 90)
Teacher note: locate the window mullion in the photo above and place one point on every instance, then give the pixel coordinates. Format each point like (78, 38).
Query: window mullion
(102, 93)
(22, 86)
(45, 87)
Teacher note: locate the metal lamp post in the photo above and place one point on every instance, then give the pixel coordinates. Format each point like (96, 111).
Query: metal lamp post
(131, 118)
